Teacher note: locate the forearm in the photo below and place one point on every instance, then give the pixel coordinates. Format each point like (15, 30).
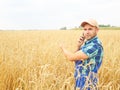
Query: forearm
(79, 55)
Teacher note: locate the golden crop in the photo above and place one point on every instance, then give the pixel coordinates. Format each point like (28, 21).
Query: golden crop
(32, 60)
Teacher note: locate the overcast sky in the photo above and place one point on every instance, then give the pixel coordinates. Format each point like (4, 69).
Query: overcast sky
(54, 14)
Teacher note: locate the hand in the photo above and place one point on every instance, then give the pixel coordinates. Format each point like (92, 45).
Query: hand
(61, 46)
(80, 41)
(66, 52)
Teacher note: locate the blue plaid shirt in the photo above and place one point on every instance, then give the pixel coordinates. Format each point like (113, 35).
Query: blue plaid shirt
(86, 71)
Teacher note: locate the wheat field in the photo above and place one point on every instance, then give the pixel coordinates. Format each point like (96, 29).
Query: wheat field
(32, 60)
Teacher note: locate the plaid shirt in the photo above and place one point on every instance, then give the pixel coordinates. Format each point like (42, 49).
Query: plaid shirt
(86, 71)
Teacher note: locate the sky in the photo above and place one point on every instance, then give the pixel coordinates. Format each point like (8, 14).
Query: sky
(55, 14)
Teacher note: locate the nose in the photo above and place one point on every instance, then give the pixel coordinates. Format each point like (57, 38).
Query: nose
(87, 31)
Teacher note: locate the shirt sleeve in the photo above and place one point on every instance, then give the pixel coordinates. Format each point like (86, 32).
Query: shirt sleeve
(90, 51)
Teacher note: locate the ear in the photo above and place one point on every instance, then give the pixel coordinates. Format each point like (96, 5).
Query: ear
(97, 29)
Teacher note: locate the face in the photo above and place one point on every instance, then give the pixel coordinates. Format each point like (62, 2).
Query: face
(89, 31)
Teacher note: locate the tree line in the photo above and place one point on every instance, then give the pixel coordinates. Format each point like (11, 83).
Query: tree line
(101, 26)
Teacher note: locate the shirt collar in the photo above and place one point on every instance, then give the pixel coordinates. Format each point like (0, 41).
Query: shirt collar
(89, 41)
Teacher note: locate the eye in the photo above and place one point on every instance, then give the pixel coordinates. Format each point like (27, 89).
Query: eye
(85, 29)
(90, 29)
